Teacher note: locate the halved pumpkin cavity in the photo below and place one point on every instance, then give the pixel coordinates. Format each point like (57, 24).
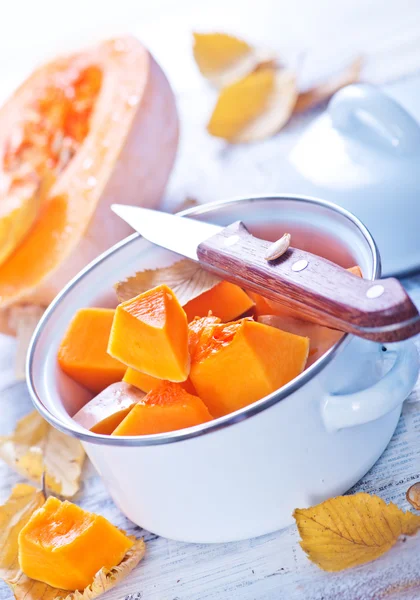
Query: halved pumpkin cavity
(41, 145)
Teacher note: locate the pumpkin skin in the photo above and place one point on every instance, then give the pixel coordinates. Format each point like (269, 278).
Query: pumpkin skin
(168, 407)
(105, 412)
(127, 155)
(82, 354)
(65, 546)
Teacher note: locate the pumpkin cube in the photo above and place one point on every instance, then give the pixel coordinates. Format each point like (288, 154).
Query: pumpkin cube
(106, 411)
(82, 354)
(150, 335)
(146, 383)
(243, 361)
(65, 546)
(225, 300)
(167, 407)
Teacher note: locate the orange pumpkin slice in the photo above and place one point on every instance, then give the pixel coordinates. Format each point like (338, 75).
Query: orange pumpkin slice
(82, 354)
(147, 383)
(321, 338)
(166, 408)
(243, 361)
(224, 300)
(65, 546)
(105, 412)
(84, 121)
(200, 326)
(150, 334)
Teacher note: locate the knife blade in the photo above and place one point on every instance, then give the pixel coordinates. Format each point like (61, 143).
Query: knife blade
(320, 290)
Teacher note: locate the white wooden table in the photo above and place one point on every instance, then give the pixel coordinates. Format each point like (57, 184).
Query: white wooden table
(272, 567)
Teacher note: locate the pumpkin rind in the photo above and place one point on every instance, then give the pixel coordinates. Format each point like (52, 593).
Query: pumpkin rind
(105, 412)
(131, 146)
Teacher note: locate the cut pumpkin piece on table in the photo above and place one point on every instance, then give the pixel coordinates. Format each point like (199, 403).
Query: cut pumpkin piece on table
(243, 361)
(65, 546)
(254, 107)
(225, 300)
(166, 408)
(82, 354)
(150, 334)
(83, 122)
(147, 383)
(15, 514)
(105, 412)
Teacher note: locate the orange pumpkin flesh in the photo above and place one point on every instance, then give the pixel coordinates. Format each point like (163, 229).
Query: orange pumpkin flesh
(86, 121)
(244, 361)
(150, 334)
(225, 300)
(147, 383)
(105, 412)
(82, 354)
(64, 546)
(196, 329)
(166, 408)
(321, 338)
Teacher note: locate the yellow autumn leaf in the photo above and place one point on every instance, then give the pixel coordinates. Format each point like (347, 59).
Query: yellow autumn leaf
(326, 89)
(224, 58)
(255, 107)
(14, 515)
(35, 448)
(352, 530)
(185, 277)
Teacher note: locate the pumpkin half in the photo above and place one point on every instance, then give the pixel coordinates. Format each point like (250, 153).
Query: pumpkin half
(81, 132)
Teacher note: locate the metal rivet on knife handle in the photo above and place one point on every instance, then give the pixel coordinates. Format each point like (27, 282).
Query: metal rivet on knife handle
(299, 265)
(375, 291)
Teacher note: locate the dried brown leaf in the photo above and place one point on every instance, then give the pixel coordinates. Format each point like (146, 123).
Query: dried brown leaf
(35, 447)
(256, 107)
(413, 495)
(23, 320)
(24, 500)
(348, 531)
(185, 204)
(186, 279)
(324, 91)
(224, 59)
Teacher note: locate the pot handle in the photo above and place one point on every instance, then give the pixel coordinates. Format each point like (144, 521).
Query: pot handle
(347, 410)
(371, 114)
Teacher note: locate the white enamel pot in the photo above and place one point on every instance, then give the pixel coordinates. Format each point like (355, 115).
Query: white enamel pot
(241, 475)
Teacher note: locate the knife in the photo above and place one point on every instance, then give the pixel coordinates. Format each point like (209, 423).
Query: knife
(320, 290)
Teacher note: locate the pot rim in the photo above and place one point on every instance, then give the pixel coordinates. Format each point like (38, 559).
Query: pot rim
(221, 422)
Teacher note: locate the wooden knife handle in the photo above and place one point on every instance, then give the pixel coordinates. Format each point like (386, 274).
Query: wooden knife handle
(319, 289)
